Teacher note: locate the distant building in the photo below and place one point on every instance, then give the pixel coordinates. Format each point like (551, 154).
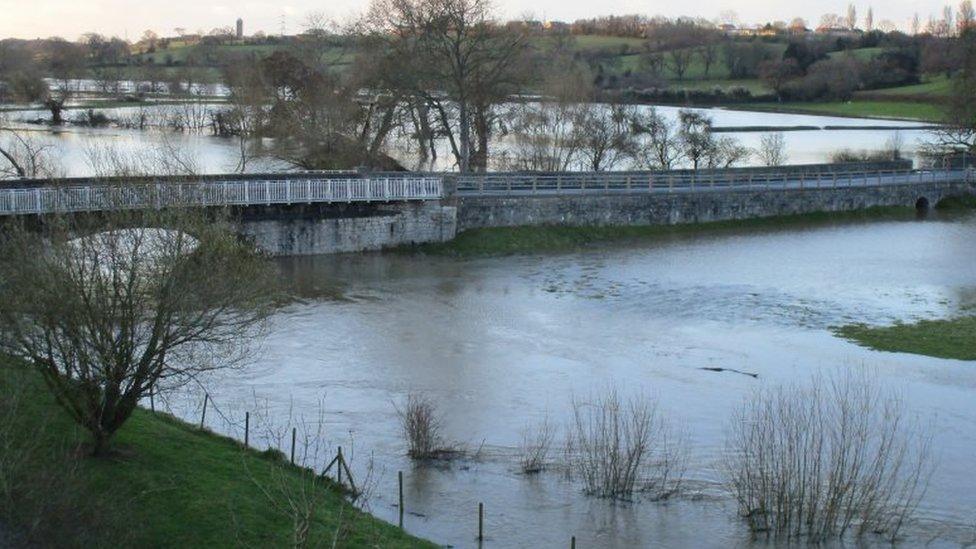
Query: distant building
(240, 29)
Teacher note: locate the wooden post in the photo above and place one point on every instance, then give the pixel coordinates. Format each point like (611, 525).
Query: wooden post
(203, 416)
(294, 432)
(481, 521)
(341, 463)
(400, 482)
(572, 542)
(247, 428)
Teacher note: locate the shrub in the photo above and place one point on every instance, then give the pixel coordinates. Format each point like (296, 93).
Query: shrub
(620, 447)
(822, 462)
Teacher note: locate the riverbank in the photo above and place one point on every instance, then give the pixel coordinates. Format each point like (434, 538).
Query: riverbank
(950, 338)
(167, 485)
(552, 238)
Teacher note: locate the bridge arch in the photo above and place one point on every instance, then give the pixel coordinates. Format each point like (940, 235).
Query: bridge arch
(922, 203)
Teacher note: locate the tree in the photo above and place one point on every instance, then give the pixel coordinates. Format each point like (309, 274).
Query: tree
(966, 17)
(776, 74)
(453, 55)
(772, 149)
(109, 316)
(605, 136)
(959, 132)
(679, 60)
(662, 148)
(851, 20)
(23, 156)
(65, 63)
(869, 20)
(696, 137)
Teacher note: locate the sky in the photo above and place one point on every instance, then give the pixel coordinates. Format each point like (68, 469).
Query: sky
(129, 19)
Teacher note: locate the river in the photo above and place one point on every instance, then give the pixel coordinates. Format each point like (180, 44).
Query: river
(502, 342)
(70, 145)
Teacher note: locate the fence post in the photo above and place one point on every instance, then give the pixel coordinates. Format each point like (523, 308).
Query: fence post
(294, 432)
(400, 483)
(339, 468)
(481, 521)
(247, 428)
(203, 416)
(572, 542)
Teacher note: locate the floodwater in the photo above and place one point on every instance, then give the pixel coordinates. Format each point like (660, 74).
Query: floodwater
(220, 155)
(500, 343)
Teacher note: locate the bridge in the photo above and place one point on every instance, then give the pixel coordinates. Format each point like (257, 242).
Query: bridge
(321, 212)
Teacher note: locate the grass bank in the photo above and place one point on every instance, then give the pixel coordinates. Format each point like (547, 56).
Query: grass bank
(169, 485)
(551, 238)
(952, 338)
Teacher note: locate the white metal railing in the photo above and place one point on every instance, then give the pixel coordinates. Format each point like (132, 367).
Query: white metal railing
(96, 197)
(580, 182)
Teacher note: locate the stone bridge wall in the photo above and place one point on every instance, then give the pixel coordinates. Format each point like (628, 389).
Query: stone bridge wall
(335, 228)
(663, 208)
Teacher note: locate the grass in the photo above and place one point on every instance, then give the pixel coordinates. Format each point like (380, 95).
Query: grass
(938, 86)
(898, 110)
(551, 238)
(170, 485)
(861, 54)
(952, 338)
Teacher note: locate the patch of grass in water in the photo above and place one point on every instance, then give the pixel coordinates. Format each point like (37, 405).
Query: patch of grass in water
(951, 338)
(555, 238)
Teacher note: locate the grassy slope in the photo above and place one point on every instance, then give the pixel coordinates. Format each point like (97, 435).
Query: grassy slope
(170, 486)
(549, 238)
(952, 338)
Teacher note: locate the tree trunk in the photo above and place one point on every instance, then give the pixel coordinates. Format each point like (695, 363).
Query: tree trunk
(100, 443)
(464, 139)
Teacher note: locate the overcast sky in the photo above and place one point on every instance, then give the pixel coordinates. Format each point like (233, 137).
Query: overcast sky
(126, 18)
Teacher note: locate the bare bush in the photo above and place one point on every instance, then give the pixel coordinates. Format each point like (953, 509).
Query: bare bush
(833, 459)
(618, 447)
(535, 446)
(421, 426)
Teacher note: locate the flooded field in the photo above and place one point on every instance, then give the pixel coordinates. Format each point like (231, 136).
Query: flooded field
(501, 343)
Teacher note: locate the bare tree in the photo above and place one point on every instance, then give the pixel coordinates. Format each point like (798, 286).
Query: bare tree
(24, 156)
(820, 462)
(66, 63)
(678, 61)
(457, 59)
(605, 136)
(106, 308)
(851, 20)
(661, 148)
(772, 149)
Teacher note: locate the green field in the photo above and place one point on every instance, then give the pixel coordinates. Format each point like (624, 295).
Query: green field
(168, 484)
(695, 70)
(896, 110)
(952, 338)
(861, 54)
